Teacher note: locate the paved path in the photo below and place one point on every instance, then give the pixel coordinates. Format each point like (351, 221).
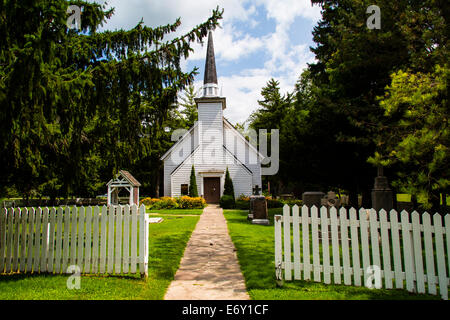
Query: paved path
(209, 269)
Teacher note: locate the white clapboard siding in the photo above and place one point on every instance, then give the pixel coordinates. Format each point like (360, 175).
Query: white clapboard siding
(406, 251)
(50, 240)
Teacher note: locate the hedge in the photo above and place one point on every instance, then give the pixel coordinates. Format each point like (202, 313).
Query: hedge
(184, 202)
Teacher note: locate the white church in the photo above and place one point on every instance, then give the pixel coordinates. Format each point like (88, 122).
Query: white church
(212, 145)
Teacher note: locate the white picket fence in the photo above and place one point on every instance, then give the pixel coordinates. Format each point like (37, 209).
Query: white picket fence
(411, 253)
(111, 240)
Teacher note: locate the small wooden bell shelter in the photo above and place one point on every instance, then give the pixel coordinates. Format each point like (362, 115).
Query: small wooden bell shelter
(123, 179)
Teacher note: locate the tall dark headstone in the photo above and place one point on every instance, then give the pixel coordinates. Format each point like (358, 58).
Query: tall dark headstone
(382, 196)
(312, 198)
(258, 208)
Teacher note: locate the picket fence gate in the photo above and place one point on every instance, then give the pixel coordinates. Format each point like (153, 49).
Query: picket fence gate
(411, 252)
(111, 240)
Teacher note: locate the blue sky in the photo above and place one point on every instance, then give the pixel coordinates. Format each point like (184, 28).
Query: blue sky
(258, 40)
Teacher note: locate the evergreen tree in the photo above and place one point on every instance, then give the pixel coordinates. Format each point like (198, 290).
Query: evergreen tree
(270, 114)
(189, 111)
(193, 191)
(73, 103)
(228, 185)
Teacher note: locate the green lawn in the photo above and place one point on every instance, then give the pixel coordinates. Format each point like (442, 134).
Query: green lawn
(196, 212)
(255, 251)
(168, 240)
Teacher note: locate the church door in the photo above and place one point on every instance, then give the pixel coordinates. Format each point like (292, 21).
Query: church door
(211, 186)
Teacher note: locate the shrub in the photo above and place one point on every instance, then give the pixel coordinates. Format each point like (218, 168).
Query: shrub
(292, 202)
(243, 204)
(274, 203)
(165, 203)
(228, 188)
(227, 202)
(191, 203)
(193, 191)
(148, 202)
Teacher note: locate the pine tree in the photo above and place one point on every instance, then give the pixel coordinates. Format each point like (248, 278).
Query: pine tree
(73, 103)
(228, 187)
(189, 111)
(193, 191)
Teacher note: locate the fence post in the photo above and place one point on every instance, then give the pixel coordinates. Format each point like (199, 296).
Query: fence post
(278, 250)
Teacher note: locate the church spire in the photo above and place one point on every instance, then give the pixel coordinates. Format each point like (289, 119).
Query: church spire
(210, 87)
(210, 65)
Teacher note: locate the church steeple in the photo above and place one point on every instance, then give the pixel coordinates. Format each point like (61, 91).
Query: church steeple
(210, 88)
(210, 64)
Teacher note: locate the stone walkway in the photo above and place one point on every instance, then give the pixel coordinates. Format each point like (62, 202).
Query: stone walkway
(209, 269)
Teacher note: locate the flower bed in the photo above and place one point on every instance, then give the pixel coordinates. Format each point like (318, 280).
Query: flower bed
(184, 202)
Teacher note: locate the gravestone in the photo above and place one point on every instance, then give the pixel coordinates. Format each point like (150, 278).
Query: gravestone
(331, 200)
(258, 208)
(382, 196)
(312, 198)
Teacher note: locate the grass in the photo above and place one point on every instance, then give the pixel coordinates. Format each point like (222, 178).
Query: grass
(196, 212)
(255, 251)
(168, 240)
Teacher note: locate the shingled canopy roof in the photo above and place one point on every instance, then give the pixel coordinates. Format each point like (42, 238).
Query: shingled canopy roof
(128, 177)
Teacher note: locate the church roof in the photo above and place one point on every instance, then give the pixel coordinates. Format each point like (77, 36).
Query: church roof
(210, 64)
